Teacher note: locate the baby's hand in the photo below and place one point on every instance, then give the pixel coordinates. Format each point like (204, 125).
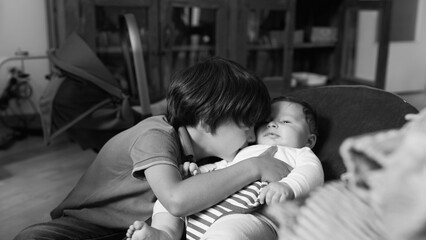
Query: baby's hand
(275, 192)
(189, 169)
(412, 116)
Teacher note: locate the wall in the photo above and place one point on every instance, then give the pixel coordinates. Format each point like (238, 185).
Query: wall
(25, 28)
(406, 70)
(367, 47)
(407, 60)
(23, 25)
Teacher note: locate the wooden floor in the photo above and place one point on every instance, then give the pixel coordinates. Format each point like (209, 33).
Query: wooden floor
(34, 178)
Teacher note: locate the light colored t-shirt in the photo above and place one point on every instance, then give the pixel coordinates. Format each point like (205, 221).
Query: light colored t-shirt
(307, 170)
(306, 175)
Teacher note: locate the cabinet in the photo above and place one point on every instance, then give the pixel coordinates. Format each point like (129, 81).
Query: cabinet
(365, 42)
(190, 30)
(177, 33)
(316, 37)
(264, 40)
(345, 40)
(272, 38)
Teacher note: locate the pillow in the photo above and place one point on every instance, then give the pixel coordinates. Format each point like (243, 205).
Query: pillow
(344, 111)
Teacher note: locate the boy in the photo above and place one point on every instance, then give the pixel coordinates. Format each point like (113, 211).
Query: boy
(212, 108)
(293, 128)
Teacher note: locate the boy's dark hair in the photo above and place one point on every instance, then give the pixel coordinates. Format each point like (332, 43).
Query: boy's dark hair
(214, 91)
(310, 115)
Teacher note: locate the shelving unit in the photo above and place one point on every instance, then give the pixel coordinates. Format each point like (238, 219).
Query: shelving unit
(314, 45)
(177, 33)
(316, 48)
(355, 58)
(273, 38)
(263, 39)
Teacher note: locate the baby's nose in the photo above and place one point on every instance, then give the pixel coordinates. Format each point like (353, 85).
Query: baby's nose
(272, 124)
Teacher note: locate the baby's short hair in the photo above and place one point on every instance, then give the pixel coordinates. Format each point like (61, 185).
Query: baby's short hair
(214, 91)
(310, 115)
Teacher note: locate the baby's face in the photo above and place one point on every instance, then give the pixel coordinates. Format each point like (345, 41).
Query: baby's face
(286, 127)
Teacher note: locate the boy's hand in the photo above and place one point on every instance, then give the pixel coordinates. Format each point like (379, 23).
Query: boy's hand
(270, 168)
(189, 169)
(276, 192)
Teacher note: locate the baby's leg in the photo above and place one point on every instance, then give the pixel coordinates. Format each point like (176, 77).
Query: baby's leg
(238, 227)
(164, 227)
(142, 231)
(136, 226)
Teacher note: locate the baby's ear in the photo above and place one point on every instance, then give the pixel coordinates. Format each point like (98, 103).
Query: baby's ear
(312, 140)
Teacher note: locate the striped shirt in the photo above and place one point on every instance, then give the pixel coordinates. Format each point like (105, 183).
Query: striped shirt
(243, 201)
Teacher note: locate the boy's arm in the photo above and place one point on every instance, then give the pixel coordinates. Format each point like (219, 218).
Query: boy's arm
(185, 197)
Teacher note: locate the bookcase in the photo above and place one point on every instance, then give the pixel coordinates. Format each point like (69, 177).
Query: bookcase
(272, 38)
(177, 33)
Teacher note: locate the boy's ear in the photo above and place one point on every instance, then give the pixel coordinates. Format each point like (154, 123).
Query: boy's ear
(205, 127)
(312, 140)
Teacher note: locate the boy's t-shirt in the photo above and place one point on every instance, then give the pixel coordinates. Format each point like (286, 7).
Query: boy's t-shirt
(113, 191)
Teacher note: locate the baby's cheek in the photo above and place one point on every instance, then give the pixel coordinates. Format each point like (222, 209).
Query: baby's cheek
(261, 140)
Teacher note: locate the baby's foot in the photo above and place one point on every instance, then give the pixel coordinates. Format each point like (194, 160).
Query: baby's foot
(139, 230)
(137, 225)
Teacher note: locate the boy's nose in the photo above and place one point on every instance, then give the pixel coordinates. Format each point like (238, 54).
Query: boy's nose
(272, 124)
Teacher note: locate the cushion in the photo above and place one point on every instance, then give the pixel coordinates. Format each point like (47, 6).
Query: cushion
(349, 110)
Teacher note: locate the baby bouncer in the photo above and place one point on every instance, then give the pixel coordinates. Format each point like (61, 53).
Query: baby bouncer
(85, 100)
